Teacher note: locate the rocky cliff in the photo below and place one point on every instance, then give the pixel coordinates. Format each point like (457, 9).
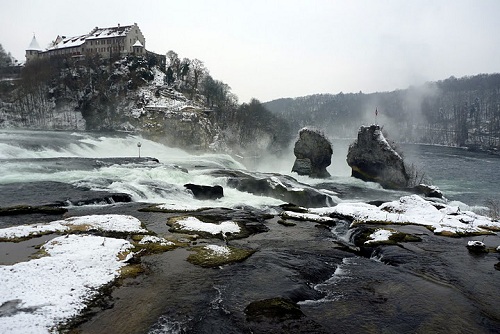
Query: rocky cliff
(126, 94)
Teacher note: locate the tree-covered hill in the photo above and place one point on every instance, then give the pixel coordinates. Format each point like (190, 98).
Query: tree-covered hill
(462, 112)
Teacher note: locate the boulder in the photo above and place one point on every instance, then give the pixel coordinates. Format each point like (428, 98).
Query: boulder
(313, 152)
(428, 191)
(205, 192)
(372, 158)
(476, 246)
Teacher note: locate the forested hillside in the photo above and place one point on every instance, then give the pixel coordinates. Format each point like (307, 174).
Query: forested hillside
(167, 98)
(459, 112)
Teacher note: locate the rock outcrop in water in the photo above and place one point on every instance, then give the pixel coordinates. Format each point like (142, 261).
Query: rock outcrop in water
(372, 158)
(313, 152)
(205, 192)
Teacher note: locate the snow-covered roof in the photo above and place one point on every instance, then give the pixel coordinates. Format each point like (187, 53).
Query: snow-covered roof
(34, 45)
(137, 43)
(109, 32)
(65, 42)
(96, 33)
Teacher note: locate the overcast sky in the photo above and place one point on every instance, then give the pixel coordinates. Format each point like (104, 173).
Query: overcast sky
(270, 49)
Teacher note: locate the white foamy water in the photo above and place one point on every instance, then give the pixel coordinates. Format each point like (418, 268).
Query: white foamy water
(28, 156)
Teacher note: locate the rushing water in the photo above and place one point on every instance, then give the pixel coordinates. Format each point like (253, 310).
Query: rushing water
(433, 286)
(469, 177)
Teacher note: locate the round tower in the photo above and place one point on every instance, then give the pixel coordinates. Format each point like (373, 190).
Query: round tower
(33, 51)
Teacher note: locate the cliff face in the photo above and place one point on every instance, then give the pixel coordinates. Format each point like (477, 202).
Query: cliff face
(124, 94)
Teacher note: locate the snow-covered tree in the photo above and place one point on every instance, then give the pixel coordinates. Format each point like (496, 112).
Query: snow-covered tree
(6, 59)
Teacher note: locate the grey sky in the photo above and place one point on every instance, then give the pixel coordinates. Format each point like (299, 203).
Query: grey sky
(287, 48)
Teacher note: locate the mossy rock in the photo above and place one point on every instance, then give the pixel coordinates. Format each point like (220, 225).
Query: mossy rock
(130, 271)
(452, 234)
(278, 308)
(208, 258)
(404, 237)
(361, 236)
(154, 247)
(490, 228)
(285, 223)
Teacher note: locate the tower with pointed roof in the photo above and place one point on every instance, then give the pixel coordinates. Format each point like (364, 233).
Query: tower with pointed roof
(33, 50)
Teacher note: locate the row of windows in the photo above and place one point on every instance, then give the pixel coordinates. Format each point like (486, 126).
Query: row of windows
(107, 41)
(105, 49)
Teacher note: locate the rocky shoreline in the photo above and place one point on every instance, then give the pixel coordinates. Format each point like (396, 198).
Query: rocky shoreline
(277, 285)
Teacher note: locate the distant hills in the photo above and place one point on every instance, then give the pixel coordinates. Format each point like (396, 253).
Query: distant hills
(456, 111)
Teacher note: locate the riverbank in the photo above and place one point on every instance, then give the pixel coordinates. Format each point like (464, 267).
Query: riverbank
(322, 268)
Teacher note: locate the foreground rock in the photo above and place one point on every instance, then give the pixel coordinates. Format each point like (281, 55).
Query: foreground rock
(372, 158)
(313, 152)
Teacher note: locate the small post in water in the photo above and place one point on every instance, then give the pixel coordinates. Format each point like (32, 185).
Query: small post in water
(139, 146)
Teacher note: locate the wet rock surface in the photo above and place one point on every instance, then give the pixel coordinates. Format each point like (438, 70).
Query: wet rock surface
(281, 187)
(313, 152)
(45, 200)
(205, 192)
(432, 282)
(372, 158)
(303, 276)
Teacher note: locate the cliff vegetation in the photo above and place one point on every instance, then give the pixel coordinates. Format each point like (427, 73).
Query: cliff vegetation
(166, 98)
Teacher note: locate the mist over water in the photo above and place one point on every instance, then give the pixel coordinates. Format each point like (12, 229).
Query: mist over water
(30, 156)
(469, 177)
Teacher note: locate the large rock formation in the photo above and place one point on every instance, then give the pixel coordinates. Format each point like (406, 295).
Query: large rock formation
(313, 152)
(372, 158)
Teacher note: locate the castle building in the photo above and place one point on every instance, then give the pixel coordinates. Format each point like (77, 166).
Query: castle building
(106, 42)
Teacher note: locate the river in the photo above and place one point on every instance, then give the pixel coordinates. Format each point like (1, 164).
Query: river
(431, 286)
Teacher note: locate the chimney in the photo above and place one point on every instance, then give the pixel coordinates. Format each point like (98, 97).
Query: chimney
(118, 25)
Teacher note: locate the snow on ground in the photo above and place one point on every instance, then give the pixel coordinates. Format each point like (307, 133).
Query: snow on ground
(379, 235)
(159, 77)
(475, 243)
(38, 295)
(23, 231)
(194, 224)
(186, 206)
(151, 239)
(112, 223)
(219, 250)
(415, 210)
(306, 216)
